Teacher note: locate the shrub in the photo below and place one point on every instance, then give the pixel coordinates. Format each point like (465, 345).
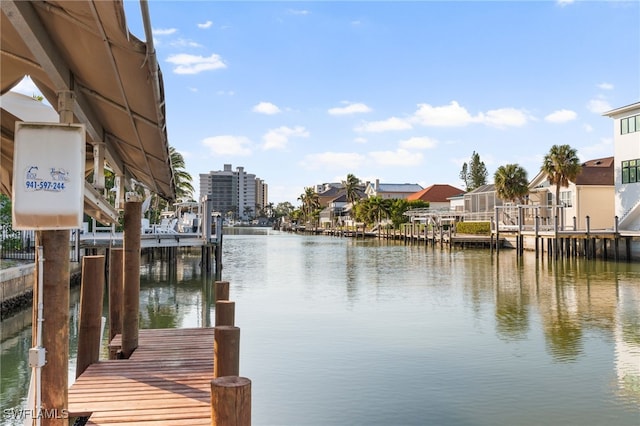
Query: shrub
(475, 228)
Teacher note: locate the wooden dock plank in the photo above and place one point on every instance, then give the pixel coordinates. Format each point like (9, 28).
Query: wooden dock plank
(166, 381)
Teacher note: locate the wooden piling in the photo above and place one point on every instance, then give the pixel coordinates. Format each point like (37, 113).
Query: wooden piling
(226, 351)
(55, 327)
(225, 312)
(221, 290)
(115, 296)
(231, 401)
(91, 292)
(131, 292)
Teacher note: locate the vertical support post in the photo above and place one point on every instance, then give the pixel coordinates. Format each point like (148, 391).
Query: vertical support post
(131, 292)
(221, 289)
(116, 288)
(55, 328)
(90, 312)
(226, 351)
(588, 240)
(575, 226)
(520, 236)
(98, 165)
(231, 401)
(616, 237)
(225, 312)
(497, 230)
(55, 305)
(555, 236)
(536, 229)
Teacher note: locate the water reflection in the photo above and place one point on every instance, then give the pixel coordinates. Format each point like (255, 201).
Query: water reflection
(468, 338)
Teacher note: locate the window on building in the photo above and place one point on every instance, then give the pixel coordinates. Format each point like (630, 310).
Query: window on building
(631, 171)
(630, 124)
(566, 198)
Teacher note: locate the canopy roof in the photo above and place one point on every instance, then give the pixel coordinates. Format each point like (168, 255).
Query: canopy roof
(84, 46)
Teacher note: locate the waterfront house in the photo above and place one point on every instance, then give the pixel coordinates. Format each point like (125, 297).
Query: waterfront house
(437, 195)
(479, 204)
(591, 194)
(388, 191)
(626, 139)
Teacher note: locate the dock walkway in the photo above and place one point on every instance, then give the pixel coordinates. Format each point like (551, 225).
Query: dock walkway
(166, 381)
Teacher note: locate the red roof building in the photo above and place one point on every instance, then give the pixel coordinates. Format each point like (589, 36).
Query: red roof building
(437, 195)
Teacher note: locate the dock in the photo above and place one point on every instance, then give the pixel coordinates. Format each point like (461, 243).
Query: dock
(166, 381)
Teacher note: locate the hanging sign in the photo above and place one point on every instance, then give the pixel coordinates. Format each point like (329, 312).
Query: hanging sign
(48, 176)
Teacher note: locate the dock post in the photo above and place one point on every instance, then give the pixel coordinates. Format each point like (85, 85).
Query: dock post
(115, 296)
(221, 290)
(90, 312)
(536, 229)
(225, 312)
(616, 238)
(497, 221)
(226, 351)
(231, 401)
(587, 242)
(55, 328)
(131, 292)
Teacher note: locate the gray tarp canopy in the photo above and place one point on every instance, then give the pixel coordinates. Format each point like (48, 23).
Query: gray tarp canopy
(85, 47)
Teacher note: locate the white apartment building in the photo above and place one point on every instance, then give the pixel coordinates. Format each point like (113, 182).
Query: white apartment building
(236, 194)
(626, 131)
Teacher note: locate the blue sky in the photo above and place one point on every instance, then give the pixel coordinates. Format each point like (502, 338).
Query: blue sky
(301, 93)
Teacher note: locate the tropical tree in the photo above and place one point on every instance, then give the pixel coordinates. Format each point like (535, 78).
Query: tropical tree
(269, 210)
(283, 209)
(310, 202)
(181, 178)
(561, 165)
(378, 209)
(475, 172)
(351, 185)
(511, 182)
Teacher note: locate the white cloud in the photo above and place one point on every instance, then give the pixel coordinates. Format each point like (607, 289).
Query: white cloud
(400, 157)
(360, 140)
(598, 106)
(228, 145)
(455, 115)
(279, 138)
(194, 64)
(183, 42)
(605, 86)
(225, 93)
(561, 116)
(333, 160)
(350, 108)
(298, 12)
(452, 115)
(602, 149)
(266, 108)
(193, 89)
(392, 123)
(564, 3)
(418, 143)
(206, 25)
(504, 117)
(163, 31)
(588, 128)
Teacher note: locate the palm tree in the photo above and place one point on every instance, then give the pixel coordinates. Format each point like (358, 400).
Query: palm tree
(561, 165)
(511, 182)
(310, 202)
(181, 178)
(351, 186)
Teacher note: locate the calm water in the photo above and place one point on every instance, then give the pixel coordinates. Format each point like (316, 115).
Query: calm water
(342, 332)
